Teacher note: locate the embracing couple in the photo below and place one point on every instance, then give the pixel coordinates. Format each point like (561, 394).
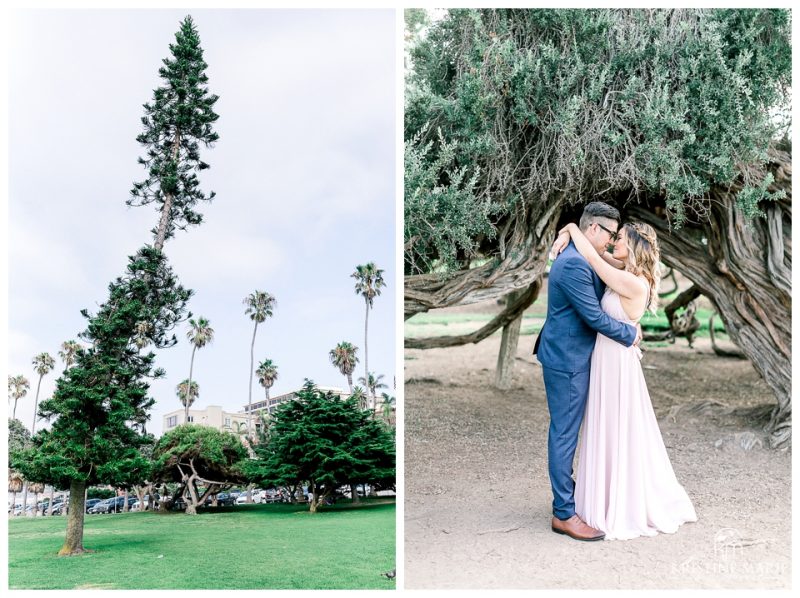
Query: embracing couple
(625, 486)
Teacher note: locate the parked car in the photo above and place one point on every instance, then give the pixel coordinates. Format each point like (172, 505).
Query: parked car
(113, 505)
(28, 511)
(99, 507)
(272, 495)
(118, 506)
(92, 502)
(224, 499)
(57, 506)
(256, 497)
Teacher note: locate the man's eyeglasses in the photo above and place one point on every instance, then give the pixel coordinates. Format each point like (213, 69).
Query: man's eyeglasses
(614, 236)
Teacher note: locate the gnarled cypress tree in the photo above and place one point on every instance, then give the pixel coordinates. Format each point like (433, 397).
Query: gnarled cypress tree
(514, 117)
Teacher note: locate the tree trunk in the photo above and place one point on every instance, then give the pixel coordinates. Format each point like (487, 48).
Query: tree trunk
(350, 382)
(50, 502)
(168, 198)
(354, 494)
(250, 392)
(513, 309)
(125, 507)
(73, 543)
(519, 260)
(189, 388)
(24, 510)
(14, 413)
(717, 350)
(36, 405)
(508, 344)
(507, 354)
(312, 488)
(744, 268)
(366, 356)
(191, 509)
(140, 492)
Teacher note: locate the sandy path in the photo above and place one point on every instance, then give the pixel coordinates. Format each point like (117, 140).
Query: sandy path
(478, 498)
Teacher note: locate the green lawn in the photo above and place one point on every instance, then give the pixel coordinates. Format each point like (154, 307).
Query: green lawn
(247, 547)
(446, 324)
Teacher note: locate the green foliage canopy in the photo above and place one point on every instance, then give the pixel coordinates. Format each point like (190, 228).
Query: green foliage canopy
(179, 118)
(101, 404)
(512, 106)
(19, 437)
(321, 439)
(215, 455)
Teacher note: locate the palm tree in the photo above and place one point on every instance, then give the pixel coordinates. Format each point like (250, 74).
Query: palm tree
(17, 388)
(267, 373)
(200, 333)
(15, 481)
(37, 488)
(369, 280)
(240, 428)
(360, 396)
(388, 403)
(259, 307)
(43, 364)
(343, 356)
(187, 393)
(263, 425)
(372, 385)
(68, 353)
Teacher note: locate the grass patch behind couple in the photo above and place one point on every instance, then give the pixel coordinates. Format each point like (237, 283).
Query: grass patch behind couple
(273, 546)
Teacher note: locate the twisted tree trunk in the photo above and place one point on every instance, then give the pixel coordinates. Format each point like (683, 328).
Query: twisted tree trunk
(521, 259)
(744, 267)
(518, 304)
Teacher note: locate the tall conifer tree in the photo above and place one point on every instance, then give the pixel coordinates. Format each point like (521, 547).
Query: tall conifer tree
(101, 404)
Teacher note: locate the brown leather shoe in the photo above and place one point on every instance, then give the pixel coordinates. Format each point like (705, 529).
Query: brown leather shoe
(576, 528)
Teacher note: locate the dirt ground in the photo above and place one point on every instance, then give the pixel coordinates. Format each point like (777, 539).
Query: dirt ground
(478, 499)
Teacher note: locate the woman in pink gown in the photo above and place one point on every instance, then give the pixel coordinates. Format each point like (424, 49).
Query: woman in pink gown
(625, 485)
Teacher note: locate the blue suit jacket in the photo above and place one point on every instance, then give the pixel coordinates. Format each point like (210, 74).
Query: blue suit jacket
(574, 316)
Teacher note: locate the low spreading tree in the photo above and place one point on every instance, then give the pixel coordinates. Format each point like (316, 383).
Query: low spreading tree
(201, 460)
(325, 442)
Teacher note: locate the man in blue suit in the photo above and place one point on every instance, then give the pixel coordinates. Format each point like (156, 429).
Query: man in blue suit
(564, 348)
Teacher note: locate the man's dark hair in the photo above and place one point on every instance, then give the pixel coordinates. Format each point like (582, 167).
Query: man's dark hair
(595, 210)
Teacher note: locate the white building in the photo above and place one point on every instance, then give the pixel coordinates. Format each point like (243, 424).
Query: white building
(271, 405)
(212, 415)
(216, 417)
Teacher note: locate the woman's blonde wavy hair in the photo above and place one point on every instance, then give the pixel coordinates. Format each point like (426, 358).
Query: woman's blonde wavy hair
(644, 258)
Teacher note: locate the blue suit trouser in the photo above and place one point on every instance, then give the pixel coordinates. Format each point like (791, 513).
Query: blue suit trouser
(566, 400)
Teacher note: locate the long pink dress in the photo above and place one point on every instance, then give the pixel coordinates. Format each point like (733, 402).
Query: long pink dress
(625, 485)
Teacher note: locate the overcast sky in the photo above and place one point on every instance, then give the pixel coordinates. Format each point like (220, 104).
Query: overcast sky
(303, 171)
